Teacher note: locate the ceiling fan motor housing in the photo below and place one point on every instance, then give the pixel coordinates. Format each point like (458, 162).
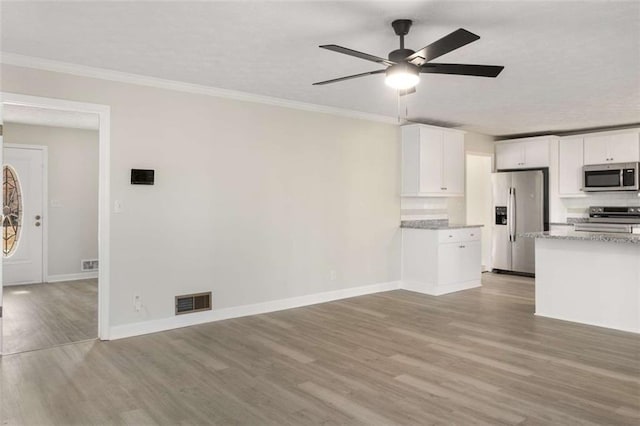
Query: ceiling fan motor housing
(399, 55)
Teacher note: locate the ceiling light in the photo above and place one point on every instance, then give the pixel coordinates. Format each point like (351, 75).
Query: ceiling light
(402, 76)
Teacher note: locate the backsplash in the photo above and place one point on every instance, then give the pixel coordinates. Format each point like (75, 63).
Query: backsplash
(450, 209)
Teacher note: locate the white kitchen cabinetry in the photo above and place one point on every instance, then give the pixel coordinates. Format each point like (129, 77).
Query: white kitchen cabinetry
(441, 261)
(432, 161)
(601, 148)
(525, 153)
(570, 162)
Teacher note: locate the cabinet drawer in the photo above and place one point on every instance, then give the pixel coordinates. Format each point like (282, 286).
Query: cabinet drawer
(458, 235)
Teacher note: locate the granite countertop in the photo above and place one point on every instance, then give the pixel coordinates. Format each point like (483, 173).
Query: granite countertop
(568, 234)
(571, 221)
(434, 225)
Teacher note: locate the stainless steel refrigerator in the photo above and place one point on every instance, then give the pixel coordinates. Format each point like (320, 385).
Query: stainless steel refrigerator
(520, 204)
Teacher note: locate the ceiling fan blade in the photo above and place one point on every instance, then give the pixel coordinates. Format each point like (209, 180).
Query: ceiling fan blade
(361, 55)
(462, 69)
(446, 44)
(407, 92)
(349, 77)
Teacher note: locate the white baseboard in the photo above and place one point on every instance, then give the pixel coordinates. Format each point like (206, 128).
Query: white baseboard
(72, 277)
(154, 326)
(580, 321)
(438, 290)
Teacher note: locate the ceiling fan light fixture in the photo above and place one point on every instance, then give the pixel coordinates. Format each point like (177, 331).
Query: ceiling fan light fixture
(402, 76)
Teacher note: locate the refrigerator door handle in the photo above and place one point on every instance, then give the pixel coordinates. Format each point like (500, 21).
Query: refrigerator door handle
(509, 214)
(514, 213)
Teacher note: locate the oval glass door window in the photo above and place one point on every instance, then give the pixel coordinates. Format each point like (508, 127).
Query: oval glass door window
(11, 210)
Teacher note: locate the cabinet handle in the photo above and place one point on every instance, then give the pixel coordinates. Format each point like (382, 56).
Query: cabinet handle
(443, 189)
(461, 246)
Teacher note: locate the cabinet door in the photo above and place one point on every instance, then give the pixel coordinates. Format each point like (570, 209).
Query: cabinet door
(471, 261)
(410, 160)
(509, 156)
(624, 147)
(431, 157)
(450, 258)
(536, 153)
(596, 149)
(570, 162)
(453, 165)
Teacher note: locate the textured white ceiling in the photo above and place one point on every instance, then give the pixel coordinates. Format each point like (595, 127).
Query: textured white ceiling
(568, 65)
(49, 117)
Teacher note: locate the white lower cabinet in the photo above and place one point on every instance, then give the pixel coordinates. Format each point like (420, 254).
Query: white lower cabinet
(441, 261)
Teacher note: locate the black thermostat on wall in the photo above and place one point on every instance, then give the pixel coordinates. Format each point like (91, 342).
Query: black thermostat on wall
(142, 177)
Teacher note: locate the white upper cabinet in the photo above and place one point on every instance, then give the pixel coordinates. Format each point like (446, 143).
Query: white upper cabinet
(431, 156)
(453, 164)
(522, 153)
(612, 148)
(432, 161)
(509, 155)
(570, 162)
(536, 153)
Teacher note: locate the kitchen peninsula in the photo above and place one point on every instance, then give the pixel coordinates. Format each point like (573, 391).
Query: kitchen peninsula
(588, 277)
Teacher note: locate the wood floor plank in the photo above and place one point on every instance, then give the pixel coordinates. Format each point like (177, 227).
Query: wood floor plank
(38, 316)
(478, 356)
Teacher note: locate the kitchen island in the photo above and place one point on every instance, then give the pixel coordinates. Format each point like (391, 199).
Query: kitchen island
(588, 277)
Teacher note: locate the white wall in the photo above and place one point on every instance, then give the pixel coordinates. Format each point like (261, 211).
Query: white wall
(251, 201)
(73, 191)
(478, 200)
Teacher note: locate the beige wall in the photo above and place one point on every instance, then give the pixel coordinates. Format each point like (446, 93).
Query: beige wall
(252, 202)
(73, 191)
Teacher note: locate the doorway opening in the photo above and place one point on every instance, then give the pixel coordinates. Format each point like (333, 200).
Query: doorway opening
(479, 167)
(55, 221)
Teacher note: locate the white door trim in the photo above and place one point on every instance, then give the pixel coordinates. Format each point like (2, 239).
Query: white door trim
(45, 201)
(104, 191)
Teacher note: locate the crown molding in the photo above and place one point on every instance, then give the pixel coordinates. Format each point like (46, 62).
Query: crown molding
(142, 80)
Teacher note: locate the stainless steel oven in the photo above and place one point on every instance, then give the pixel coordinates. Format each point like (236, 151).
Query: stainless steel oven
(610, 177)
(611, 219)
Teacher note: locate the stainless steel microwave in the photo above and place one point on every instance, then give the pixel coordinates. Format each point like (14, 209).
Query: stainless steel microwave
(610, 177)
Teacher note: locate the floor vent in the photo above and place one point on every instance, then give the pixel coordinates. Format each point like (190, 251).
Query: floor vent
(193, 303)
(89, 265)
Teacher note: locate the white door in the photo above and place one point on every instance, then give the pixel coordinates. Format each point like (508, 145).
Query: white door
(22, 230)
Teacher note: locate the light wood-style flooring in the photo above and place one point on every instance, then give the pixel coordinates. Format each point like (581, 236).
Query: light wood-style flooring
(473, 357)
(38, 316)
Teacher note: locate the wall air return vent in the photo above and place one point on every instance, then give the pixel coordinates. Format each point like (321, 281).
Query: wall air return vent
(189, 303)
(89, 265)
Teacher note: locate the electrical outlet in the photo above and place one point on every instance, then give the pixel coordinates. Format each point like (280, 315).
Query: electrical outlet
(333, 275)
(137, 302)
